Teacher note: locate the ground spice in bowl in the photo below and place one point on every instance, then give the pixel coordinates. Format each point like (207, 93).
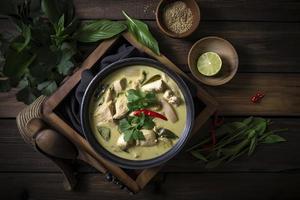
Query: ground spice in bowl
(177, 17)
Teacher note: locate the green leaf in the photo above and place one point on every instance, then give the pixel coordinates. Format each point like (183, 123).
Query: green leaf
(60, 25)
(138, 135)
(128, 135)
(104, 132)
(26, 95)
(199, 156)
(17, 63)
(47, 87)
(138, 99)
(148, 123)
(252, 146)
(273, 139)
(23, 40)
(141, 32)
(124, 125)
(248, 120)
(65, 65)
(259, 126)
(51, 10)
(99, 30)
(167, 133)
(24, 82)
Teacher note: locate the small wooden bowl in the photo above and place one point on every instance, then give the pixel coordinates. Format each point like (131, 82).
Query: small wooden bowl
(228, 56)
(191, 4)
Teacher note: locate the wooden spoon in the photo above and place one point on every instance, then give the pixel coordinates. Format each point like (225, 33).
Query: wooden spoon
(55, 144)
(59, 149)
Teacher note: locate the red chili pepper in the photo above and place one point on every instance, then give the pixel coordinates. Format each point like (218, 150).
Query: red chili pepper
(149, 113)
(257, 97)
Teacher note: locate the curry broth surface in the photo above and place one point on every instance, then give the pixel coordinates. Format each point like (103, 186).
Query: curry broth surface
(140, 152)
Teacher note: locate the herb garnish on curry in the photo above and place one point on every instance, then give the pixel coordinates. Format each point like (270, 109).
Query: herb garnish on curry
(138, 113)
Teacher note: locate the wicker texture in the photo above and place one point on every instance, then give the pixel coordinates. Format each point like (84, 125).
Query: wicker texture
(32, 111)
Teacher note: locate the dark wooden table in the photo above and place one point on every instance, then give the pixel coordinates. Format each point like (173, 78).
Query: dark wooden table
(266, 35)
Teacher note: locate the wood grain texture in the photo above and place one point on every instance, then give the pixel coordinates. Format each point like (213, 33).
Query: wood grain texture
(9, 106)
(211, 186)
(19, 157)
(261, 46)
(241, 10)
(282, 95)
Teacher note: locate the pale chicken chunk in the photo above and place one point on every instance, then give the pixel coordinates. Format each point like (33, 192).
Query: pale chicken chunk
(109, 95)
(156, 86)
(120, 85)
(121, 143)
(171, 98)
(150, 138)
(121, 107)
(105, 112)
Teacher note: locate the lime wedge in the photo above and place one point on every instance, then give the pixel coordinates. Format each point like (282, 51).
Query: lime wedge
(209, 64)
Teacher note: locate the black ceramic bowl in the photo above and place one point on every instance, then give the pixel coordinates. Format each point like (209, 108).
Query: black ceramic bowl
(135, 164)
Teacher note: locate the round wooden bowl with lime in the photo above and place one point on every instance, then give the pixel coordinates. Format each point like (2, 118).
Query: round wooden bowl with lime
(213, 61)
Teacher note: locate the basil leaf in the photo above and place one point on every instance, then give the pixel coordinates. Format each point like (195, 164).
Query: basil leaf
(124, 125)
(163, 132)
(47, 87)
(138, 99)
(252, 146)
(141, 32)
(128, 135)
(273, 139)
(99, 30)
(260, 127)
(51, 10)
(66, 64)
(21, 42)
(17, 63)
(138, 135)
(148, 123)
(104, 132)
(248, 120)
(199, 156)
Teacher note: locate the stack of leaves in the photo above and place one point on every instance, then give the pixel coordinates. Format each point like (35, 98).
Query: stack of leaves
(131, 127)
(138, 99)
(45, 51)
(234, 140)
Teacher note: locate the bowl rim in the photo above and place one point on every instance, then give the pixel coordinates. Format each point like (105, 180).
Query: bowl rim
(122, 162)
(229, 77)
(161, 27)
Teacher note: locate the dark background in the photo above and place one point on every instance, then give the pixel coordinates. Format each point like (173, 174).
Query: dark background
(266, 35)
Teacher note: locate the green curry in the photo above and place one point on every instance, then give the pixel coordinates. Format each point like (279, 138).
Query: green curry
(138, 113)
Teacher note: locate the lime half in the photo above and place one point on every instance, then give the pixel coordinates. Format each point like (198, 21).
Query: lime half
(209, 64)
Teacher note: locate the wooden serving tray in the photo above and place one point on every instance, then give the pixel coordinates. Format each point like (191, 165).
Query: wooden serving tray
(49, 114)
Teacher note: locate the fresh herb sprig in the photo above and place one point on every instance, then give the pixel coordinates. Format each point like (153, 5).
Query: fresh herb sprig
(138, 99)
(131, 127)
(234, 140)
(45, 51)
(141, 32)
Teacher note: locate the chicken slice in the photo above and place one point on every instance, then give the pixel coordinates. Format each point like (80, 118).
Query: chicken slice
(156, 86)
(121, 143)
(171, 98)
(121, 107)
(150, 138)
(109, 95)
(105, 112)
(169, 111)
(120, 85)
